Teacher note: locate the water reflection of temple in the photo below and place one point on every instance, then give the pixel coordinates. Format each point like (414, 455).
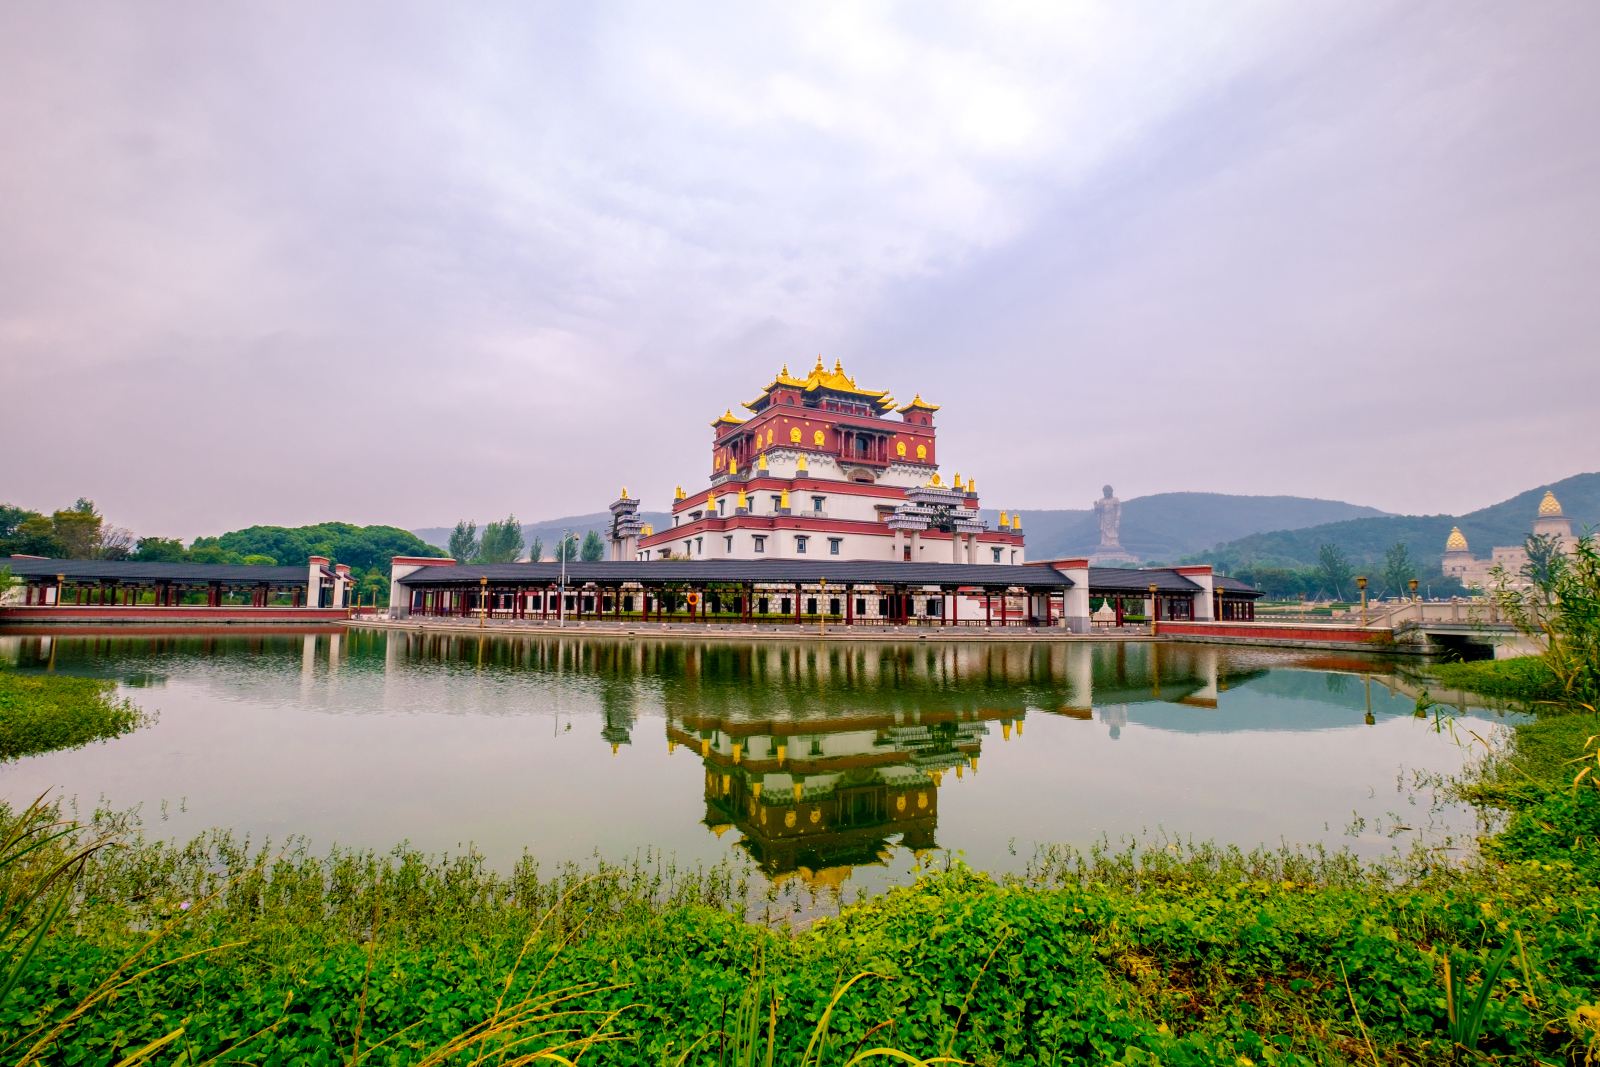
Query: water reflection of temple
(822, 795)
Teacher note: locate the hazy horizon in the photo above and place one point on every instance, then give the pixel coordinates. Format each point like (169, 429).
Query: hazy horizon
(399, 264)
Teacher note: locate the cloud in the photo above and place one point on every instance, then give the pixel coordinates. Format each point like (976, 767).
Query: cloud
(402, 263)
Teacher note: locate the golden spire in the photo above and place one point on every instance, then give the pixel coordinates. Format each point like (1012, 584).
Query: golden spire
(648, 530)
(679, 494)
(1016, 520)
(624, 492)
(838, 366)
(957, 482)
(972, 487)
(711, 501)
(784, 373)
(1456, 542)
(799, 791)
(761, 463)
(783, 499)
(818, 368)
(800, 465)
(1004, 519)
(1549, 507)
(743, 506)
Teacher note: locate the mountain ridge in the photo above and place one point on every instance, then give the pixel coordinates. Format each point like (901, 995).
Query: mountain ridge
(1161, 526)
(1365, 540)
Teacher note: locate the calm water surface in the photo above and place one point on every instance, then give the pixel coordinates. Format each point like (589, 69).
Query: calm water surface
(832, 762)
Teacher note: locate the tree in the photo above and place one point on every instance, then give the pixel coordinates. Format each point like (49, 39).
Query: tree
(115, 542)
(159, 550)
(536, 550)
(36, 536)
(464, 542)
(567, 548)
(593, 549)
(256, 559)
(1398, 570)
(1557, 602)
(78, 529)
(501, 542)
(1333, 570)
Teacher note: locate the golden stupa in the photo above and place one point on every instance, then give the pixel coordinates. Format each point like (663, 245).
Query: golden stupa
(1456, 542)
(1549, 507)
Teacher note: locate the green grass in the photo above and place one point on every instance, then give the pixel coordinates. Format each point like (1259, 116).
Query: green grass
(1522, 678)
(274, 955)
(46, 712)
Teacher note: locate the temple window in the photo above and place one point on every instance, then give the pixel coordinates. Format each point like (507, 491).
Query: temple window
(834, 544)
(777, 502)
(727, 543)
(800, 544)
(760, 542)
(996, 552)
(817, 502)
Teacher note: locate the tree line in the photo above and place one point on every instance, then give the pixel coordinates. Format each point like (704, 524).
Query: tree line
(1334, 577)
(81, 532)
(502, 542)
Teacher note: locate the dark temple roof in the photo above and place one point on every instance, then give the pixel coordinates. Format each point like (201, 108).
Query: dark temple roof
(121, 570)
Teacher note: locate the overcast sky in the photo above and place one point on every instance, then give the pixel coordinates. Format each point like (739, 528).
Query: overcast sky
(380, 262)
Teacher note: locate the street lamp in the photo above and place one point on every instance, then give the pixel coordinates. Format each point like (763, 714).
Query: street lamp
(483, 600)
(1413, 584)
(1361, 584)
(561, 586)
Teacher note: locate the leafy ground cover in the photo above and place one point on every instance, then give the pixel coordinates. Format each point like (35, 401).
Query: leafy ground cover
(273, 955)
(42, 713)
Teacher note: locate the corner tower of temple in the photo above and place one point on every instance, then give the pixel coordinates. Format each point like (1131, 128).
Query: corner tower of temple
(822, 467)
(1552, 522)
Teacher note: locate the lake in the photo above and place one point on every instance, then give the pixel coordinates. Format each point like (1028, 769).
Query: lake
(838, 763)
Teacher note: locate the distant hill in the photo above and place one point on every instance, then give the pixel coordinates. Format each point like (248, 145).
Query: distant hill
(1164, 526)
(1167, 526)
(1365, 540)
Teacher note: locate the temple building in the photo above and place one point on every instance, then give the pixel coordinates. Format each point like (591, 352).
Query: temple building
(1476, 573)
(823, 468)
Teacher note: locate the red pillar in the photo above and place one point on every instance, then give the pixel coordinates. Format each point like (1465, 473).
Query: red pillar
(988, 608)
(849, 604)
(797, 603)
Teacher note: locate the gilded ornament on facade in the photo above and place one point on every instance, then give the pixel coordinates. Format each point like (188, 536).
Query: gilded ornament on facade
(922, 451)
(794, 435)
(900, 449)
(817, 438)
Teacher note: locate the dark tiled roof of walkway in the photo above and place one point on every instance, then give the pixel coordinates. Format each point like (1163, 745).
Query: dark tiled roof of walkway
(863, 572)
(122, 570)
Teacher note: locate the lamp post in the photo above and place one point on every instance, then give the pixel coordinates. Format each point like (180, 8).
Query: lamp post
(483, 601)
(61, 589)
(822, 615)
(1413, 584)
(1361, 584)
(561, 585)
(1153, 609)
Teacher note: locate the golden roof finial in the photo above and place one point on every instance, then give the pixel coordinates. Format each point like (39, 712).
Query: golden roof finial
(711, 501)
(972, 487)
(649, 530)
(800, 465)
(761, 462)
(743, 506)
(783, 499)
(957, 482)
(818, 368)
(838, 366)
(1016, 520)
(624, 492)
(1005, 519)
(784, 373)
(1549, 507)
(1456, 542)
(678, 495)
